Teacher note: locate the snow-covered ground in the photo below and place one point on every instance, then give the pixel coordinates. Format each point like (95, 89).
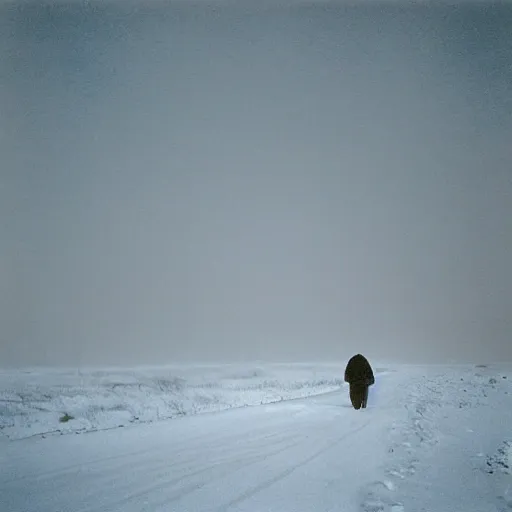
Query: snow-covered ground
(434, 438)
(36, 401)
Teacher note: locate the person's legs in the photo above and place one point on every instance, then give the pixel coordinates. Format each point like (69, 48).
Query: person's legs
(356, 396)
(365, 397)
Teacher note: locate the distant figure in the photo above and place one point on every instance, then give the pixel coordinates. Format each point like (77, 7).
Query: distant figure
(359, 375)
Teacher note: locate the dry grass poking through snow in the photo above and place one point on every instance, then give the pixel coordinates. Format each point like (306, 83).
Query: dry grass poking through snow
(36, 402)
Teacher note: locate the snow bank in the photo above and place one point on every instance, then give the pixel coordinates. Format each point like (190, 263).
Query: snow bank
(49, 401)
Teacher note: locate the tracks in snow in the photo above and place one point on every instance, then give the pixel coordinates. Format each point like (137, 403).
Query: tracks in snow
(240, 460)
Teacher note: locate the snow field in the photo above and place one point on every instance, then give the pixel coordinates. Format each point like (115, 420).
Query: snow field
(434, 438)
(50, 401)
(452, 451)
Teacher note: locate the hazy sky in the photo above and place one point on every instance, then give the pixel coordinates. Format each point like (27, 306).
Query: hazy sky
(186, 181)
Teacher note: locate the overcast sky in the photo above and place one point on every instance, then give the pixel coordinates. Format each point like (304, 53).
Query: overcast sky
(220, 183)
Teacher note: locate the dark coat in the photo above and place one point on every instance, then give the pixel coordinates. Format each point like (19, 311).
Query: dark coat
(359, 371)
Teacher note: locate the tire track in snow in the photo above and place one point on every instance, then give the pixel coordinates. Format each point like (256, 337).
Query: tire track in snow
(146, 456)
(170, 464)
(213, 471)
(283, 474)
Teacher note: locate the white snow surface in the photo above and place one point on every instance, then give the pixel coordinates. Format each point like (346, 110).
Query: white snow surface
(34, 401)
(433, 438)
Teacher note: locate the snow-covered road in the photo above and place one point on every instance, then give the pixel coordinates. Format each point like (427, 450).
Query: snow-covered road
(308, 454)
(431, 440)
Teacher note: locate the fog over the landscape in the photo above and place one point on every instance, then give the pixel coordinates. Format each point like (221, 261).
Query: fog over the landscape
(218, 182)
